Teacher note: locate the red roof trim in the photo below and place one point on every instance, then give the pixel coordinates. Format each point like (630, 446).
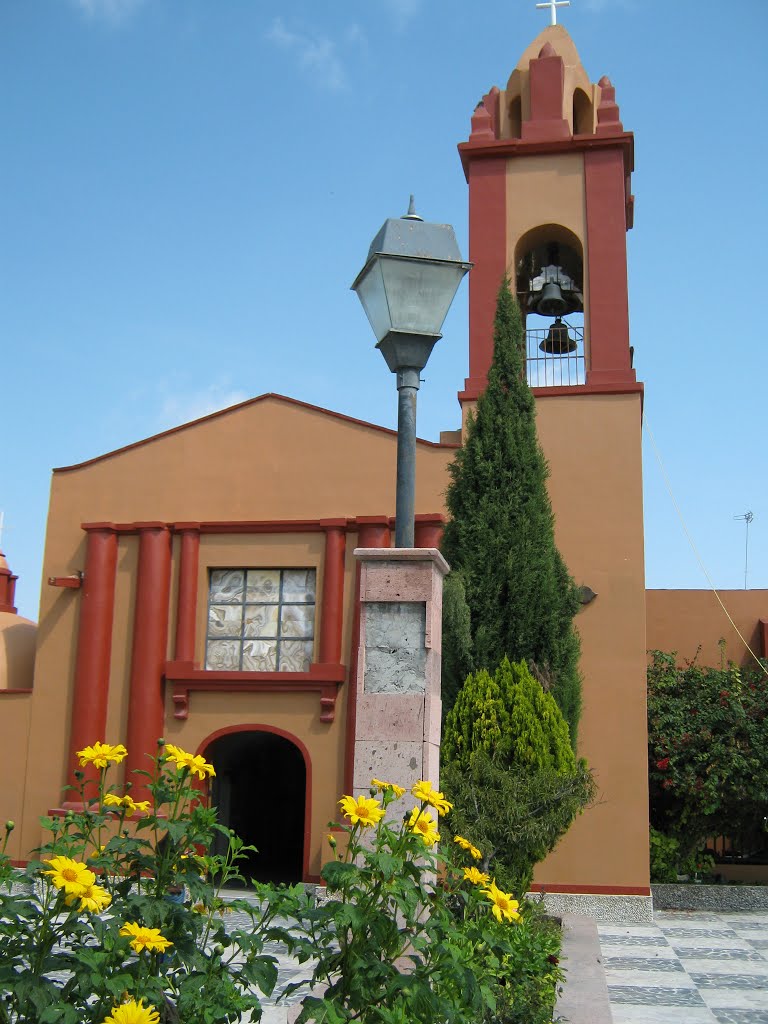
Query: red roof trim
(242, 405)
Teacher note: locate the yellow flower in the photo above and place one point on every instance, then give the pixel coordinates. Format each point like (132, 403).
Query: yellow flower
(131, 805)
(466, 845)
(195, 764)
(503, 904)
(94, 898)
(423, 824)
(364, 810)
(382, 786)
(100, 754)
(132, 1012)
(474, 876)
(70, 875)
(145, 938)
(423, 790)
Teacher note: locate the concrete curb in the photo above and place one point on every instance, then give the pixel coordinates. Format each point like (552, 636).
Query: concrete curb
(718, 898)
(584, 997)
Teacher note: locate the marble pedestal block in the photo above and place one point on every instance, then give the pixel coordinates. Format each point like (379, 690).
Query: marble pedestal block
(397, 735)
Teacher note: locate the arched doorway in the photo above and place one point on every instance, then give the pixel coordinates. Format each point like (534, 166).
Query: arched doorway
(260, 791)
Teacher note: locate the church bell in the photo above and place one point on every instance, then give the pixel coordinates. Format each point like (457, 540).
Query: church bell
(552, 302)
(558, 341)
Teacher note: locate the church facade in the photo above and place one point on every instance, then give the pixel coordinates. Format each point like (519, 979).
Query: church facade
(187, 599)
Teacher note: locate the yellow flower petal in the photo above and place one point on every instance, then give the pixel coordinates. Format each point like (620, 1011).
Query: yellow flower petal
(132, 1012)
(365, 810)
(145, 938)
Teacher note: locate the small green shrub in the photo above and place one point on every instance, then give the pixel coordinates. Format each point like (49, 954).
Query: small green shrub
(509, 768)
(665, 857)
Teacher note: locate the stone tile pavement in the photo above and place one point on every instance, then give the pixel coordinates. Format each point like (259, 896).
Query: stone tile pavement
(691, 967)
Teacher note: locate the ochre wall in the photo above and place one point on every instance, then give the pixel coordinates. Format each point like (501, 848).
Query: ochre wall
(270, 459)
(15, 710)
(306, 464)
(592, 443)
(686, 620)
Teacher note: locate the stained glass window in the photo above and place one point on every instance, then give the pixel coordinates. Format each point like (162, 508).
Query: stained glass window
(260, 620)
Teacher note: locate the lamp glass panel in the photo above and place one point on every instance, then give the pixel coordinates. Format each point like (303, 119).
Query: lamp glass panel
(419, 293)
(372, 294)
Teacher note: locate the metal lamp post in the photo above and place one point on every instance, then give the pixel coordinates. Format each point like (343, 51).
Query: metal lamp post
(406, 288)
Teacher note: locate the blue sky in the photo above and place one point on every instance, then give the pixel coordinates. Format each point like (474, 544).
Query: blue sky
(189, 187)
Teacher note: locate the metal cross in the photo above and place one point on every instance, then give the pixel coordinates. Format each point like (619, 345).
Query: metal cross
(553, 5)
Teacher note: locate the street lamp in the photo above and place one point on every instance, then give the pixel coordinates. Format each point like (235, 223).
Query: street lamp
(406, 288)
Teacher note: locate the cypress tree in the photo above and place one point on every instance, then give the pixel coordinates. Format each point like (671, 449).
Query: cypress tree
(500, 535)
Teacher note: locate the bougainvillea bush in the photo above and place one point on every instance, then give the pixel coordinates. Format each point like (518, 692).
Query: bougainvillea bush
(707, 750)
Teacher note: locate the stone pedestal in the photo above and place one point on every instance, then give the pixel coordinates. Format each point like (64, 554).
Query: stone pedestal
(397, 735)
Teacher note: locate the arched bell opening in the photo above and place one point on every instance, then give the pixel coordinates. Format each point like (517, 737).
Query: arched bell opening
(260, 791)
(583, 113)
(515, 117)
(549, 276)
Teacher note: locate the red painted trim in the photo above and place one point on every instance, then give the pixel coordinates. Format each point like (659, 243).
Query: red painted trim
(230, 729)
(629, 388)
(233, 408)
(488, 252)
(73, 582)
(15, 689)
(332, 607)
(186, 611)
(88, 719)
(146, 713)
(322, 679)
(608, 359)
(224, 526)
(487, 149)
(374, 533)
(594, 890)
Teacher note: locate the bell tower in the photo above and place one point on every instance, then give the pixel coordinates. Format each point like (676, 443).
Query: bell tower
(548, 165)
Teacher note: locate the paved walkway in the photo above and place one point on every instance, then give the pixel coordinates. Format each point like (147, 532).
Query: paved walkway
(691, 967)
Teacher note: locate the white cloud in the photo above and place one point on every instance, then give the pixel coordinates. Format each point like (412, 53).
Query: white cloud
(403, 11)
(113, 11)
(176, 408)
(316, 54)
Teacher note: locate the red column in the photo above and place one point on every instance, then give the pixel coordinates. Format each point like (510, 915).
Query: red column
(186, 611)
(333, 591)
(94, 645)
(372, 532)
(148, 652)
(608, 306)
(428, 532)
(488, 251)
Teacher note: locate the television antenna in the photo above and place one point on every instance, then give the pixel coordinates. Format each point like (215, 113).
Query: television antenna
(746, 519)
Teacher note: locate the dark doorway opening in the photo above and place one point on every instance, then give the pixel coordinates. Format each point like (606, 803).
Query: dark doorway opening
(260, 791)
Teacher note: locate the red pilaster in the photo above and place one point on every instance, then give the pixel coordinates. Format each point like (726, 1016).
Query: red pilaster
(7, 587)
(488, 252)
(372, 532)
(186, 611)
(148, 652)
(94, 645)
(546, 80)
(608, 307)
(333, 591)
